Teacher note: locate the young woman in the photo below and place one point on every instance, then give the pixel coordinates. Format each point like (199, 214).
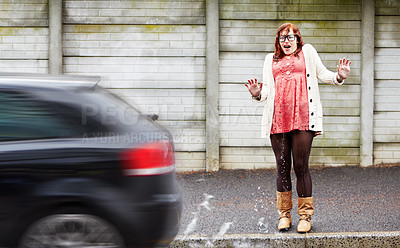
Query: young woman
(293, 115)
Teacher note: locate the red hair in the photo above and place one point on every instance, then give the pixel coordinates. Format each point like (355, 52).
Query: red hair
(278, 49)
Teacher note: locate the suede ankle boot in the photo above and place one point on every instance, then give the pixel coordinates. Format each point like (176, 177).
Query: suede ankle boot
(306, 209)
(284, 205)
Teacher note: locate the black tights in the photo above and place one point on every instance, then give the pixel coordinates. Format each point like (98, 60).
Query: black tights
(296, 143)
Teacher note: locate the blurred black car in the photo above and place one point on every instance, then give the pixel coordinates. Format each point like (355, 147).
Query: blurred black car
(81, 168)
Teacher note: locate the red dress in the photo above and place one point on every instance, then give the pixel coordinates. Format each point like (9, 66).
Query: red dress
(291, 99)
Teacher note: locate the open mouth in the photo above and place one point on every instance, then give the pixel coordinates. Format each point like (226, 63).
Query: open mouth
(287, 46)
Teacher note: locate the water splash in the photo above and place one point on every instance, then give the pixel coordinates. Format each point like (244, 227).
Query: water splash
(259, 206)
(206, 203)
(223, 229)
(262, 225)
(193, 224)
(283, 149)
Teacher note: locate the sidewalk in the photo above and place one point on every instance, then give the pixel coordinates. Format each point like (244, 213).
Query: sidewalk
(354, 207)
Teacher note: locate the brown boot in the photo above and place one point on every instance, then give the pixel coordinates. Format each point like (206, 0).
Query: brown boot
(284, 205)
(306, 209)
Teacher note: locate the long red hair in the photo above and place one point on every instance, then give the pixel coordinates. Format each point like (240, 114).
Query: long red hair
(287, 27)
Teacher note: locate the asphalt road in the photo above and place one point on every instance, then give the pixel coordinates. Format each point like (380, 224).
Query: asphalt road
(346, 199)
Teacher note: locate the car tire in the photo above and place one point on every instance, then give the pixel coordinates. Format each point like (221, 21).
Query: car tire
(64, 230)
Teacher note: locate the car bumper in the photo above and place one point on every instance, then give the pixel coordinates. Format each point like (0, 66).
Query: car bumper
(156, 222)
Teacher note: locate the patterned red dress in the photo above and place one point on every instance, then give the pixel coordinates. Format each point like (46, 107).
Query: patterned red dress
(291, 99)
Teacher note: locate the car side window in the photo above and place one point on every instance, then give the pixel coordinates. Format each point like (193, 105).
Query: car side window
(24, 118)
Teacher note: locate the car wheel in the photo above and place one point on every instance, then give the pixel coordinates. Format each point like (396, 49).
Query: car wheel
(71, 230)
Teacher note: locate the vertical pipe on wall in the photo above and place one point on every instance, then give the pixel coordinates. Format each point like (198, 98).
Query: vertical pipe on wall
(212, 85)
(367, 82)
(55, 37)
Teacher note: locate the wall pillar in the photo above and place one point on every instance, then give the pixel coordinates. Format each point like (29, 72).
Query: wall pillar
(212, 85)
(55, 37)
(367, 82)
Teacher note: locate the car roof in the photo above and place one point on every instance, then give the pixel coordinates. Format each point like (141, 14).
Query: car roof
(47, 80)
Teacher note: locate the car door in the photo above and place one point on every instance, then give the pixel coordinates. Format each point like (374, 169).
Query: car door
(25, 125)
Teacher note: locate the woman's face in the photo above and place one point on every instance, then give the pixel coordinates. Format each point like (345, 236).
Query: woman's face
(288, 41)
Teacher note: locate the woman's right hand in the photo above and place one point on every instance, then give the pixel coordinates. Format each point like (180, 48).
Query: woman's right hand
(253, 87)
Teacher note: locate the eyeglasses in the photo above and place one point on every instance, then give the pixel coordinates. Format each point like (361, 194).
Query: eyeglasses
(290, 37)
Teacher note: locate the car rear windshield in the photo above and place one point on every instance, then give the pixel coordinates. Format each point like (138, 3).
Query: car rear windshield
(109, 109)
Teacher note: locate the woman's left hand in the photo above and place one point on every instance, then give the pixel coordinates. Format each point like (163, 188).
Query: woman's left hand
(343, 68)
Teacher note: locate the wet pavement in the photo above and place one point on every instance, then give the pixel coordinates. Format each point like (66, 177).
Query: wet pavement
(242, 202)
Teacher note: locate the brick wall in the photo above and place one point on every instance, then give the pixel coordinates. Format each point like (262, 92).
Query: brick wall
(387, 83)
(152, 54)
(157, 12)
(24, 36)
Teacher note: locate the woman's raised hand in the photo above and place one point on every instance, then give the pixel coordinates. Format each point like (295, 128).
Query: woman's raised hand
(343, 68)
(253, 87)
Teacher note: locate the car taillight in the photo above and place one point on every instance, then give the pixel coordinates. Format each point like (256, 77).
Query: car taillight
(149, 159)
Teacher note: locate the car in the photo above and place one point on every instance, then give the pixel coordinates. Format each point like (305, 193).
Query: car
(80, 167)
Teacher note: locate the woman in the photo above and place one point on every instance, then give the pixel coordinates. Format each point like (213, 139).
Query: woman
(293, 115)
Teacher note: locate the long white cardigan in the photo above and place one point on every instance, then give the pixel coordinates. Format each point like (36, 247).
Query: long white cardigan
(315, 70)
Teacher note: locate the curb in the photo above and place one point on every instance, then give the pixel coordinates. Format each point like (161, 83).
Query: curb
(344, 239)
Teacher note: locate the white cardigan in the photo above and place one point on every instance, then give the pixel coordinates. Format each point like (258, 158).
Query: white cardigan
(314, 70)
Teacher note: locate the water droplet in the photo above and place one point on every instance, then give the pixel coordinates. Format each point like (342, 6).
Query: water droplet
(191, 227)
(206, 204)
(223, 229)
(263, 227)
